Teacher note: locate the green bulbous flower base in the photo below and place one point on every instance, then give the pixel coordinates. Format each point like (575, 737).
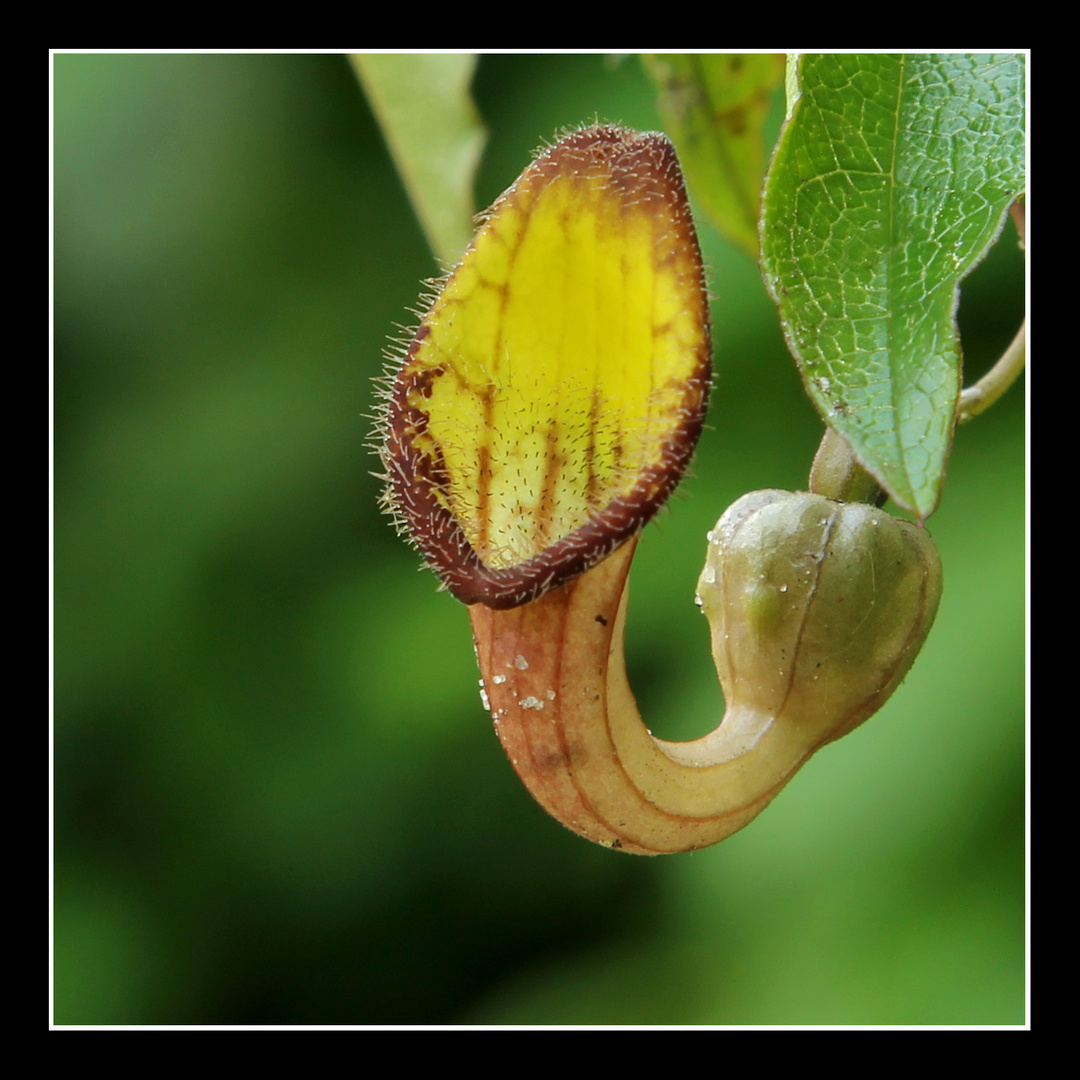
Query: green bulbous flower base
(817, 609)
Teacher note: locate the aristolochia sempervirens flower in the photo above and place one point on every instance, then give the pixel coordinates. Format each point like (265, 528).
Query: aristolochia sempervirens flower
(544, 410)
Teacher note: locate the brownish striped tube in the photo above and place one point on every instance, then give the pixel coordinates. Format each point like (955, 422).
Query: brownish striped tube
(817, 610)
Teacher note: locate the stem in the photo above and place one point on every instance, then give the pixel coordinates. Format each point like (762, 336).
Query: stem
(837, 474)
(978, 398)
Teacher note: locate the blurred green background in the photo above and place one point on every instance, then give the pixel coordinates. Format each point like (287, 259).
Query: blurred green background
(277, 797)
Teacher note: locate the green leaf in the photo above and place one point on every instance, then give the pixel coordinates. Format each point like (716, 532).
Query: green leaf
(714, 108)
(435, 136)
(892, 177)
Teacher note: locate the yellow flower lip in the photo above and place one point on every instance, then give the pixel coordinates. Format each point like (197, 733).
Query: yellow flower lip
(553, 394)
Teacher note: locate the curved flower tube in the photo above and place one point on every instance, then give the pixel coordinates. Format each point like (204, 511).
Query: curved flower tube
(817, 611)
